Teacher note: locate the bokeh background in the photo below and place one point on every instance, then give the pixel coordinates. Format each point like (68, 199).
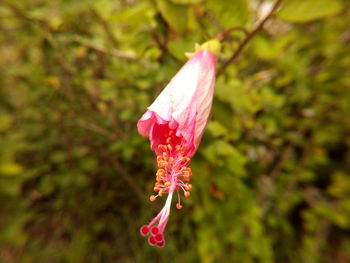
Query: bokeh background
(271, 178)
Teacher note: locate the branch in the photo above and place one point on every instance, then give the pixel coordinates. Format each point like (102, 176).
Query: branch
(227, 31)
(97, 129)
(105, 26)
(126, 176)
(248, 37)
(17, 11)
(114, 52)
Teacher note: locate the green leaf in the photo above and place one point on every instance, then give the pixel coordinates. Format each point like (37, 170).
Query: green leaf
(230, 13)
(234, 92)
(178, 48)
(186, 2)
(222, 154)
(305, 11)
(217, 129)
(174, 14)
(104, 8)
(10, 168)
(5, 122)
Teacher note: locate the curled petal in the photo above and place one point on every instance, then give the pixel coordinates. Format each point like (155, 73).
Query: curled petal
(184, 105)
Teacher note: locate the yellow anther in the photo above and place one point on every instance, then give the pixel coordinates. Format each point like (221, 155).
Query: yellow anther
(189, 187)
(160, 172)
(186, 173)
(185, 159)
(163, 164)
(178, 206)
(168, 140)
(167, 184)
(159, 177)
(171, 159)
(170, 147)
(152, 198)
(160, 193)
(156, 188)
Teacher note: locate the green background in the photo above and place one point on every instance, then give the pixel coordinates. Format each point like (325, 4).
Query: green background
(271, 178)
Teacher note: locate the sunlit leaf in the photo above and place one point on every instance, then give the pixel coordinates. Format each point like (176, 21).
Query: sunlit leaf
(230, 13)
(174, 14)
(305, 11)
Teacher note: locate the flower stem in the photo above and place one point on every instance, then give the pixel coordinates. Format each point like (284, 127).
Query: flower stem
(248, 37)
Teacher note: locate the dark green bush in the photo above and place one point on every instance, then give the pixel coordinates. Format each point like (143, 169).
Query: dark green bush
(271, 178)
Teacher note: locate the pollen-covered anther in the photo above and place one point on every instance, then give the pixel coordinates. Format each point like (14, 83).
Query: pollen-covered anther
(188, 187)
(185, 160)
(158, 181)
(186, 178)
(160, 171)
(167, 184)
(152, 198)
(162, 164)
(161, 147)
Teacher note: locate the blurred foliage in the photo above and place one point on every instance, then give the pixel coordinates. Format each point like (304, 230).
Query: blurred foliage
(272, 175)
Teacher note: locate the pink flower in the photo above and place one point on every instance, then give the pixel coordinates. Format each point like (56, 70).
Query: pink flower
(174, 124)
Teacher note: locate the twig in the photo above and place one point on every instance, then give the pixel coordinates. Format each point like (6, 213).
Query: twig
(113, 52)
(248, 37)
(20, 13)
(125, 175)
(223, 34)
(97, 129)
(105, 27)
(281, 161)
(92, 127)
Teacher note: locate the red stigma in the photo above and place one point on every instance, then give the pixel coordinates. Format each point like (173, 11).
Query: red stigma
(154, 230)
(161, 243)
(159, 237)
(144, 230)
(152, 241)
